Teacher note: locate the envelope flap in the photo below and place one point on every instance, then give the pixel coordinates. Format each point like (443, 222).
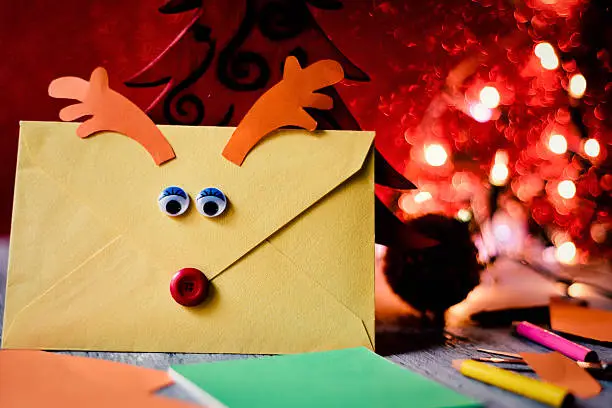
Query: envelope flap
(283, 176)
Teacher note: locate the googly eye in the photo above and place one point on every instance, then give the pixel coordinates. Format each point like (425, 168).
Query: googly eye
(173, 201)
(211, 202)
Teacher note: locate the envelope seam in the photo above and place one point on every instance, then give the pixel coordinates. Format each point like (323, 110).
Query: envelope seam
(367, 333)
(316, 282)
(89, 259)
(350, 174)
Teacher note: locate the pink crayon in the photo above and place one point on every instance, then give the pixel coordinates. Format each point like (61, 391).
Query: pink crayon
(555, 342)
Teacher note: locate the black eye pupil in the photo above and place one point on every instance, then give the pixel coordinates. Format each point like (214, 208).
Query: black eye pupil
(173, 207)
(210, 208)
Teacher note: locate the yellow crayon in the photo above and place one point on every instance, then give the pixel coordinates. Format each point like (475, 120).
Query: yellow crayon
(543, 392)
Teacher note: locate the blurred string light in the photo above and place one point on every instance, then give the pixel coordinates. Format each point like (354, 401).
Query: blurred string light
(464, 215)
(577, 86)
(502, 233)
(599, 233)
(547, 55)
(499, 171)
(596, 296)
(567, 189)
(489, 97)
(566, 253)
(435, 155)
(499, 174)
(422, 196)
(557, 144)
(480, 112)
(591, 147)
(577, 290)
(550, 63)
(543, 49)
(530, 113)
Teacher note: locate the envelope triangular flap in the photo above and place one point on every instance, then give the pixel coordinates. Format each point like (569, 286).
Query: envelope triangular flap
(284, 175)
(109, 305)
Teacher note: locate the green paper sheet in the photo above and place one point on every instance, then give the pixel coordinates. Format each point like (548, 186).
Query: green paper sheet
(353, 378)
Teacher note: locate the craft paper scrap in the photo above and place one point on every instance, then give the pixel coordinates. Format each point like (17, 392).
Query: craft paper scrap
(289, 262)
(354, 378)
(34, 378)
(557, 369)
(40, 364)
(581, 321)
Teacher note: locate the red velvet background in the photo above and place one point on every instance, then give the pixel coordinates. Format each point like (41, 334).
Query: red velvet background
(43, 39)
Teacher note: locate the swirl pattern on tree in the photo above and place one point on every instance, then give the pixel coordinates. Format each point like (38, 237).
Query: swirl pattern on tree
(230, 54)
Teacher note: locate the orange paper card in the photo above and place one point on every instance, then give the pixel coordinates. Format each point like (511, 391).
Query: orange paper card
(35, 378)
(581, 321)
(560, 370)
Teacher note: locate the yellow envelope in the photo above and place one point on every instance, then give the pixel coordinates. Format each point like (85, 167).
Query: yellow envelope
(291, 261)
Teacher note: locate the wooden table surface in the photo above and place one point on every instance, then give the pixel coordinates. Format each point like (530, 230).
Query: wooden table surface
(401, 343)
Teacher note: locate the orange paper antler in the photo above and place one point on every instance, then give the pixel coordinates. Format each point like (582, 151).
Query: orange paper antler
(111, 111)
(283, 105)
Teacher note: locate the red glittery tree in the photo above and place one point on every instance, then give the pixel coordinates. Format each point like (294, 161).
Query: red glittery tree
(231, 52)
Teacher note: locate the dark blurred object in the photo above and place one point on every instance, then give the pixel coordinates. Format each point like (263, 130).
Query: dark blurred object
(386, 175)
(433, 279)
(503, 318)
(394, 234)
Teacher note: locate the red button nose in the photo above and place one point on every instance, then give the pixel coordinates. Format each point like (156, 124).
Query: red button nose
(189, 287)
